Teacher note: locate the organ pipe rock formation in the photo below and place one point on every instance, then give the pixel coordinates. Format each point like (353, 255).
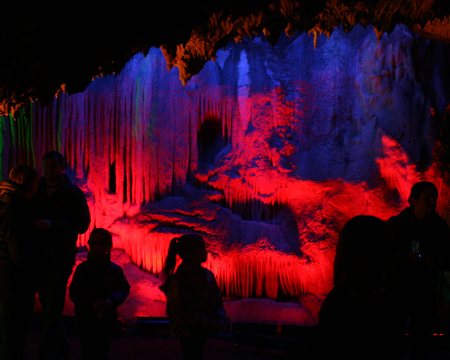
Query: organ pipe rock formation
(267, 152)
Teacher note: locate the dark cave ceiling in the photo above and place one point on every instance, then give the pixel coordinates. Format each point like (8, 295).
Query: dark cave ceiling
(48, 48)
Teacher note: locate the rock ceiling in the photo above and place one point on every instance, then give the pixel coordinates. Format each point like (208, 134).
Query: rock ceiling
(46, 49)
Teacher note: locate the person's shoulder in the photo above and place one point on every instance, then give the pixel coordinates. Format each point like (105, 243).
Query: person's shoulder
(82, 266)
(68, 186)
(210, 276)
(404, 215)
(115, 267)
(343, 300)
(84, 263)
(331, 302)
(438, 220)
(337, 292)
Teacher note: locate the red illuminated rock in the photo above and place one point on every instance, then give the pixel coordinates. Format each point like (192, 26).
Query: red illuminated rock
(267, 152)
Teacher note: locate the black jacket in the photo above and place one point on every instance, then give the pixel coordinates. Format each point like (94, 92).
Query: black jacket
(433, 235)
(97, 280)
(68, 212)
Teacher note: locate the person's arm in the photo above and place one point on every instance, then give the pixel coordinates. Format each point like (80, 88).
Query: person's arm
(78, 289)
(122, 288)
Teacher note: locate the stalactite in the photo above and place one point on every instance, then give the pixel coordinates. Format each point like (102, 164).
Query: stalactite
(305, 144)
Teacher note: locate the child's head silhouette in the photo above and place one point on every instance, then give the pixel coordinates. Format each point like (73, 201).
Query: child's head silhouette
(190, 247)
(100, 243)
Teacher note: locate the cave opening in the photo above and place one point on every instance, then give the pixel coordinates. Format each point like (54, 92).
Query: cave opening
(210, 140)
(112, 178)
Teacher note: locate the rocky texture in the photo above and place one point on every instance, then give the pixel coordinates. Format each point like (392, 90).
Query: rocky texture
(267, 152)
(48, 49)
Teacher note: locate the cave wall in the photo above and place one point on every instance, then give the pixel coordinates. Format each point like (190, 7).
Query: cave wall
(305, 138)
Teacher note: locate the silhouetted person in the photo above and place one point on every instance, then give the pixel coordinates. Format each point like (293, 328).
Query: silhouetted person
(18, 260)
(422, 240)
(97, 289)
(194, 302)
(62, 213)
(360, 318)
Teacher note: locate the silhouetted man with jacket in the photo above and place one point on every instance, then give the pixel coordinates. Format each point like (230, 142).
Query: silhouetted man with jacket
(422, 242)
(61, 213)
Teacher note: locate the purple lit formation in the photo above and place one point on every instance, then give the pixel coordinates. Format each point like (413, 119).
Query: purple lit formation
(266, 153)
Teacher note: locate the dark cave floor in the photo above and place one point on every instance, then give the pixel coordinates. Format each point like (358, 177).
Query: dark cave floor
(133, 344)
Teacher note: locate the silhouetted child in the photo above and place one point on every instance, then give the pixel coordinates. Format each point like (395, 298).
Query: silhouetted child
(97, 289)
(194, 302)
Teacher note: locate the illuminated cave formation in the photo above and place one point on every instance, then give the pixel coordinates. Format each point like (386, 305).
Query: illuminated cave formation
(267, 152)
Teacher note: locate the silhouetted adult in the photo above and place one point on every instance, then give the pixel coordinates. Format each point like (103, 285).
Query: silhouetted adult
(422, 240)
(62, 213)
(18, 255)
(360, 318)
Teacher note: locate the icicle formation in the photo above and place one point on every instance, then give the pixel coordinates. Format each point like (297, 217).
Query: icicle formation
(308, 140)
